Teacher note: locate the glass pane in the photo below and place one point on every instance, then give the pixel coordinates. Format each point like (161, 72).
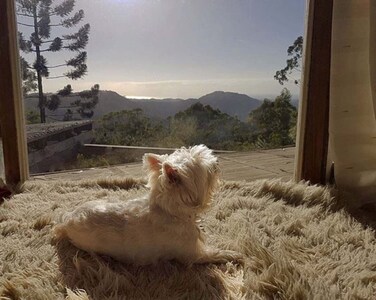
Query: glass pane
(129, 77)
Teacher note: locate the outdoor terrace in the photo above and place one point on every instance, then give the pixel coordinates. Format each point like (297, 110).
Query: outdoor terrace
(247, 166)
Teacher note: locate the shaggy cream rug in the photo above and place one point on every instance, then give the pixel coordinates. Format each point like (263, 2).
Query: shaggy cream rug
(300, 243)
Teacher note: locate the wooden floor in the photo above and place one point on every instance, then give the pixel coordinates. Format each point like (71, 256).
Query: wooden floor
(248, 166)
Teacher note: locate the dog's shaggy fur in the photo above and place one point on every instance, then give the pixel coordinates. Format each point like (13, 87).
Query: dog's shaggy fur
(298, 241)
(162, 225)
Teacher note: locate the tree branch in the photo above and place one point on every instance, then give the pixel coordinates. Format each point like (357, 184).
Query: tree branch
(23, 24)
(54, 25)
(51, 14)
(296, 81)
(31, 16)
(71, 106)
(50, 41)
(24, 15)
(55, 77)
(57, 66)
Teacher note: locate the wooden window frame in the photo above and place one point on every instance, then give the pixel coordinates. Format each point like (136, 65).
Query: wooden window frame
(12, 123)
(313, 123)
(312, 139)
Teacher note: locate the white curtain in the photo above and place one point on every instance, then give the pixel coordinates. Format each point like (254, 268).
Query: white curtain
(352, 126)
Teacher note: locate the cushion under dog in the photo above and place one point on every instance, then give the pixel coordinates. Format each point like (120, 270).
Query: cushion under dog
(299, 243)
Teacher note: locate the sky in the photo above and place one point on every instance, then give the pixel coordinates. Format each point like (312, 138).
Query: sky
(185, 48)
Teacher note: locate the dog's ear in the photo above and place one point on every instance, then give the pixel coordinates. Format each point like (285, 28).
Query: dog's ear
(152, 162)
(172, 174)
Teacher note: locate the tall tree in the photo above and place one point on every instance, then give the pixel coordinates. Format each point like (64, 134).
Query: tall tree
(41, 16)
(293, 63)
(274, 121)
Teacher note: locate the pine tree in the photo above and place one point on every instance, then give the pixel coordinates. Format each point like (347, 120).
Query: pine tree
(41, 17)
(84, 103)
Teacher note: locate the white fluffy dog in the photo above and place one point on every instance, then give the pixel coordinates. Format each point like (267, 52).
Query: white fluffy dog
(160, 226)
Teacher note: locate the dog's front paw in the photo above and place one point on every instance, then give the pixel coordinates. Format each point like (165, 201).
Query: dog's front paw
(221, 257)
(233, 256)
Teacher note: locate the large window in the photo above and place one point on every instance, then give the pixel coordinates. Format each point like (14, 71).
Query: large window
(106, 81)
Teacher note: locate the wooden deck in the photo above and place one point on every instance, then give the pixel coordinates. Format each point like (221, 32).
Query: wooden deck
(248, 166)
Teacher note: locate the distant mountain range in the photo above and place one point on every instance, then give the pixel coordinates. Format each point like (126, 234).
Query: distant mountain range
(234, 104)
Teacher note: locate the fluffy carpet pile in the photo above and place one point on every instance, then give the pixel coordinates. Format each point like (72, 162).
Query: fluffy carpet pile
(300, 243)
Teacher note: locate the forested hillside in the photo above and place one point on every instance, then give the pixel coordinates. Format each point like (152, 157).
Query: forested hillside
(272, 124)
(234, 104)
